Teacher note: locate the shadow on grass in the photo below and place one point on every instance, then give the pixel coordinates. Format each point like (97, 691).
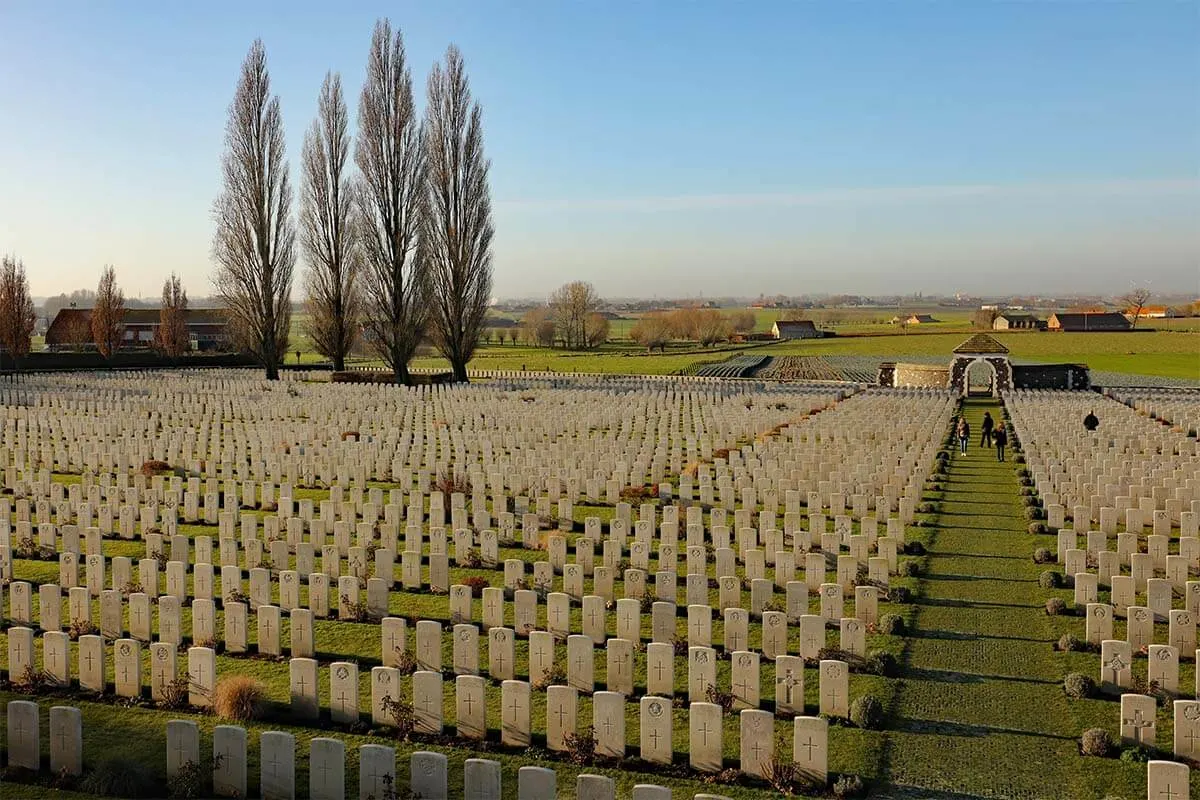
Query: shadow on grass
(961, 729)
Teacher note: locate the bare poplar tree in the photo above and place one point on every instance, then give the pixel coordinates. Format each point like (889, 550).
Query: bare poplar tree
(108, 314)
(17, 314)
(326, 229)
(254, 245)
(389, 200)
(458, 226)
(171, 338)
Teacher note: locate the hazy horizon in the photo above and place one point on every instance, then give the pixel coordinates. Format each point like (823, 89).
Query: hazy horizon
(654, 150)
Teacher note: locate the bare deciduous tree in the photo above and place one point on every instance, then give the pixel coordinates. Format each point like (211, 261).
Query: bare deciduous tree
(326, 229)
(389, 202)
(1135, 302)
(17, 314)
(572, 307)
(743, 321)
(255, 241)
(108, 314)
(172, 338)
(652, 330)
(457, 235)
(538, 326)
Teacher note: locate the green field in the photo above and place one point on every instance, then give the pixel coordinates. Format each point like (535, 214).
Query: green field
(1174, 354)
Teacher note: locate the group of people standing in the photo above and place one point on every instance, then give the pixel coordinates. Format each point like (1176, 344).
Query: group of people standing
(993, 434)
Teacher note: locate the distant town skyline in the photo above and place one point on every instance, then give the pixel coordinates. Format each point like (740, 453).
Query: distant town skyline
(726, 149)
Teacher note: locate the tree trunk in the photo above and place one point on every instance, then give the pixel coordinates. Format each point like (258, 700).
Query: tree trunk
(339, 364)
(400, 372)
(460, 372)
(272, 371)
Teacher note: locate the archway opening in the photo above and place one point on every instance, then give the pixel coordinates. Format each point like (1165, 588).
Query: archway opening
(980, 378)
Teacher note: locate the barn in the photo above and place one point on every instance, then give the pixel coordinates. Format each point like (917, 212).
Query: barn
(795, 329)
(72, 329)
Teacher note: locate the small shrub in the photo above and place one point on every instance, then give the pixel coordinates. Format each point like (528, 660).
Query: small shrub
(1070, 643)
(848, 786)
(477, 583)
(910, 569)
(474, 559)
(155, 467)
(555, 676)
(900, 594)
(400, 712)
(354, 611)
(1034, 513)
(131, 587)
(1050, 579)
(773, 605)
(237, 597)
(448, 484)
(1055, 606)
(720, 698)
(406, 662)
(1095, 742)
(239, 698)
(782, 775)
(1135, 754)
(1042, 555)
(1037, 528)
(882, 663)
(31, 681)
(81, 627)
(680, 645)
(927, 508)
(891, 624)
(867, 712)
(581, 747)
(647, 603)
(1078, 686)
(120, 777)
(914, 549)
(161, 558)
(634, 493)
(174, 694)
(188, 783)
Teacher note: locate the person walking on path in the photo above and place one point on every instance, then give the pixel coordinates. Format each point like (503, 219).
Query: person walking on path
(988, 424)
(1091, 421)
(964, 434)
(1000, 437)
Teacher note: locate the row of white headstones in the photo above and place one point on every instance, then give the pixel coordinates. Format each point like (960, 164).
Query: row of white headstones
(900, 468)
(1120, 452)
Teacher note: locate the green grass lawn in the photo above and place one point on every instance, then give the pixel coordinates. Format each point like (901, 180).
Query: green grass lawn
(1168, 353)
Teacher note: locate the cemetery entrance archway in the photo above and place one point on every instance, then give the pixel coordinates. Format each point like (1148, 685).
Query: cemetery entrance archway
(981, 349)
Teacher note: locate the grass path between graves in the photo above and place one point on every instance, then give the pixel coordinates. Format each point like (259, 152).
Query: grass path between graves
(980, 710)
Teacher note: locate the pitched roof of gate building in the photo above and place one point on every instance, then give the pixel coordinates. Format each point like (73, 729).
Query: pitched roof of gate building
(981, 343)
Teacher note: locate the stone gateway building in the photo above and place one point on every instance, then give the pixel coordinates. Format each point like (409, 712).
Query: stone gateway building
(982, 350)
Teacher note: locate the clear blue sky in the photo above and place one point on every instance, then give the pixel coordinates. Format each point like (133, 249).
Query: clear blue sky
(654, 148)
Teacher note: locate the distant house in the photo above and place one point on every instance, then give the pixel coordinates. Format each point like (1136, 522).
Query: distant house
(72, 328)
(1080, 322)
(1015, 322)
(1150, 312)
(795, 329)
(920, 319)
